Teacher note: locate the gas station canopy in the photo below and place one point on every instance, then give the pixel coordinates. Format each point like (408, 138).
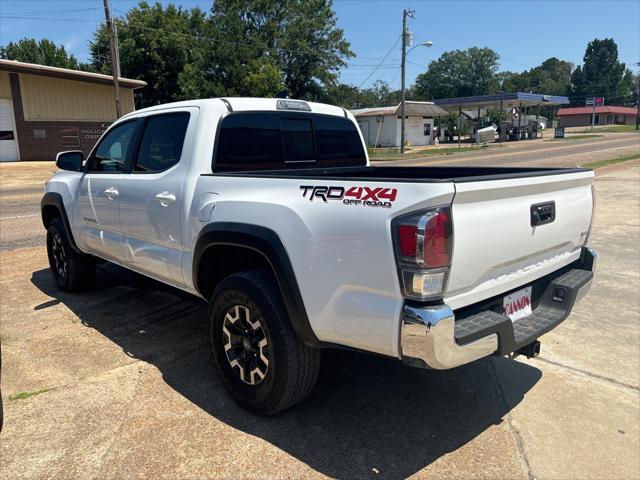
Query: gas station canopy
(506, 100)
(411, 109)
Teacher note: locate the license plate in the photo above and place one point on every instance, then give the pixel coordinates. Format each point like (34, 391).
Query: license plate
(518, 304)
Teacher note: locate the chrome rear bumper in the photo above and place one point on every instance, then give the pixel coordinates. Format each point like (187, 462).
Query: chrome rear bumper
(428, 337)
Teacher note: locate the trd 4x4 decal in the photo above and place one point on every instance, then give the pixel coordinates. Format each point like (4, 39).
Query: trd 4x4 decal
(365, 196)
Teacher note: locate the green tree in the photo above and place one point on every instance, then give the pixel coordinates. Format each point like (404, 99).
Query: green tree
(233, 60)
(343, 95)
(156, 43)
(459, 73)
(42, 52)
(291, 43)
(601, 74)
(552, 77)
(310, 48)
(379, 94)
(629, 89)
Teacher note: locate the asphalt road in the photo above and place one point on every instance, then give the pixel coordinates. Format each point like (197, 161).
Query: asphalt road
(20, 224)
(124, 386)
(539, 153)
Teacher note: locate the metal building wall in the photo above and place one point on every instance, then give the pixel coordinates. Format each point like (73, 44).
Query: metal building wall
(388, 136)
(57, 99)
(5, 85)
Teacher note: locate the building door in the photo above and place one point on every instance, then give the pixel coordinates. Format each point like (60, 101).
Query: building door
(8, 143)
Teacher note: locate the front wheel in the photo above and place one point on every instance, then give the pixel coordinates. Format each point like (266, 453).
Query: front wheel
(71, 271)
(261, 361)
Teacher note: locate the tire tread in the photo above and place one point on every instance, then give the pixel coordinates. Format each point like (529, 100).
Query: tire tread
(302, 363)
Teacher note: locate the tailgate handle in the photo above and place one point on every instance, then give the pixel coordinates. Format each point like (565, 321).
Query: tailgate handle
(543, 213)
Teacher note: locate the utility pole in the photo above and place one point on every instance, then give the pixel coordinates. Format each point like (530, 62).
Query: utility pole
(638, 98)
(405, 34)
(115, 56)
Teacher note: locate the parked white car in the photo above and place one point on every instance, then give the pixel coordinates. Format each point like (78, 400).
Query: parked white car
(270, 210)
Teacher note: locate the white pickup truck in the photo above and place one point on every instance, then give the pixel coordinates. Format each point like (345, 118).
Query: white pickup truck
(270, 210)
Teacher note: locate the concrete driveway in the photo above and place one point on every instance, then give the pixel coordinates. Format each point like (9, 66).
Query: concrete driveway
(119, 383)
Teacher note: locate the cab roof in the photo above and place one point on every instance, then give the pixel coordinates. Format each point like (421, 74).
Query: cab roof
(240, 104)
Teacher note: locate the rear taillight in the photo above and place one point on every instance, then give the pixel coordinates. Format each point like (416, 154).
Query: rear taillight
(424, 243)
(408, 240)
(437, 240)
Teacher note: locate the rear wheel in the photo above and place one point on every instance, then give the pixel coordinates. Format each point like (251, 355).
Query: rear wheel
(71, 271)
(261, 361)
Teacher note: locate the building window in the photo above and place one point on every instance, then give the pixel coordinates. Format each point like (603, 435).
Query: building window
(6, 135)
(70, 137)
(39, 133)
(427, 129)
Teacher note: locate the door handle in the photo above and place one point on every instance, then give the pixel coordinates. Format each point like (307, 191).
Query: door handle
(165, 198)
(543, 213)
(111, 193)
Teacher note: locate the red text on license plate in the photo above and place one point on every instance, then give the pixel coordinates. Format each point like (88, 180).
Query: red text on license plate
(517, 305)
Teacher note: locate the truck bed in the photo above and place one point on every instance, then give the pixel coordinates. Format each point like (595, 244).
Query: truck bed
(407, 174)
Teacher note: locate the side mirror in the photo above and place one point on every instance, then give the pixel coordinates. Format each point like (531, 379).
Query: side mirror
(71, 160)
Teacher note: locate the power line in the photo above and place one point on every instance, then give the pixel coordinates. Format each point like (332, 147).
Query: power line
(468, 44)
(46, 12)
(216, 40)
(381, 62)
(48, 19)
(131, 25)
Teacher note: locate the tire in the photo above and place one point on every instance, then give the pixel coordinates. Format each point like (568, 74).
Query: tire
(265, 367)
(71, 271)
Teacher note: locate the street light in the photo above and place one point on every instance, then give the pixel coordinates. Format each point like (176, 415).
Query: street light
(427, 44)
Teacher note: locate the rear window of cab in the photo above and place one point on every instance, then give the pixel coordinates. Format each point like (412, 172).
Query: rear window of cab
(286, 140)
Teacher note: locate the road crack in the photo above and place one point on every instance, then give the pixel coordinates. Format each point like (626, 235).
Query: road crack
(589, 374)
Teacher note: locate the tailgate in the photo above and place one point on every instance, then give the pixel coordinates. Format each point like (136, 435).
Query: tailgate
(496, 248)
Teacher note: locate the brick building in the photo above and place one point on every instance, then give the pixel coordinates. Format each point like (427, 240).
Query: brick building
(609, 115)
(45, 110)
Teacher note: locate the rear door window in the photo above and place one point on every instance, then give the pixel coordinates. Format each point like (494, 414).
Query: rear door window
(277, 140)
(162, 141)
(249, 142)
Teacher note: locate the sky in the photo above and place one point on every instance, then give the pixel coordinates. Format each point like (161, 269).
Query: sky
(524, 33)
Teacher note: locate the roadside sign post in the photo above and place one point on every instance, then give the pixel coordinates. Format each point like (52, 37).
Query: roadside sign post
(594, 102)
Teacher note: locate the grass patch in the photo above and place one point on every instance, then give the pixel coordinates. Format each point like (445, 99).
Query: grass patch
(23, 395)
(579, 137)
(611, 161)
(394, 153)
(617, 129)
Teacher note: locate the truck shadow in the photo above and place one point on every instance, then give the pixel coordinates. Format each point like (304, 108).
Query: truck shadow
(366, 412)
